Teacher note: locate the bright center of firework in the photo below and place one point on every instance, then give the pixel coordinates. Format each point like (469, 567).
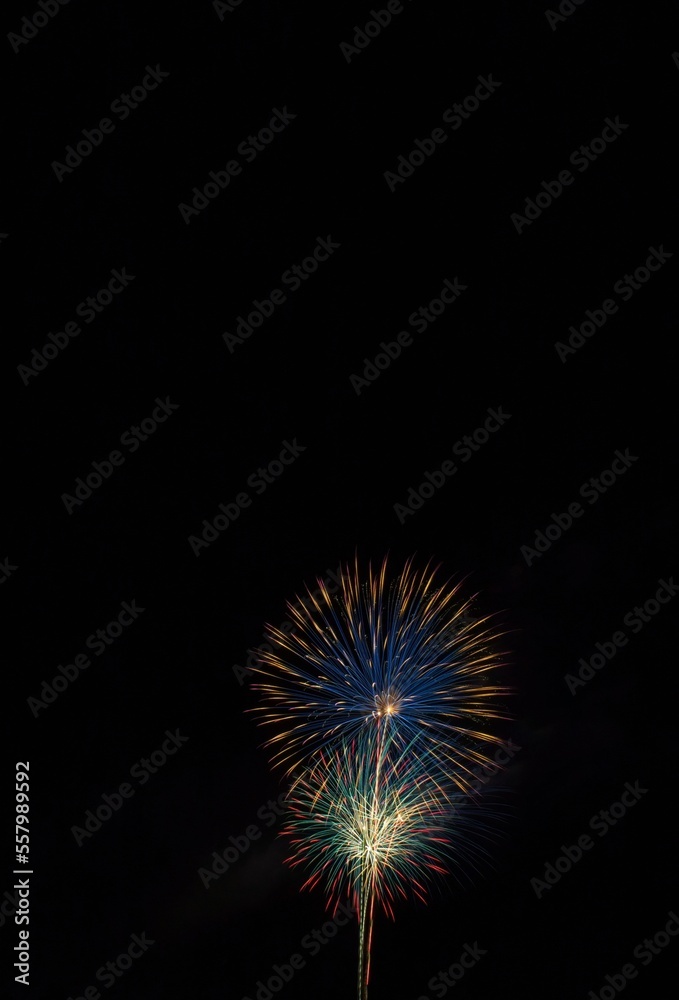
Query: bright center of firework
(386, 704)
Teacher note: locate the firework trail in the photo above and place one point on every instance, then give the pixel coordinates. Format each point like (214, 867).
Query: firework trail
(379, 698)
(377, 826)
(409, 653)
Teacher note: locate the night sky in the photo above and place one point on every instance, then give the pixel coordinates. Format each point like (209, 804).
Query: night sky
(285, 285)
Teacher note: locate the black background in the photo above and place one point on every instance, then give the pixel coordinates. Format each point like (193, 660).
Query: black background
(494, 347)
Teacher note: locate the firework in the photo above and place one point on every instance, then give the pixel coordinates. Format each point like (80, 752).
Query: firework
(376, 826)
(409, 653)
(363, 811)
(360, 813)
(368, 827)
(380, 699)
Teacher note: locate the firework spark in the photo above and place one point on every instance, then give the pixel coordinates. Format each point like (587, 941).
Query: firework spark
(361, 812)
(380, 699)
(409, 652)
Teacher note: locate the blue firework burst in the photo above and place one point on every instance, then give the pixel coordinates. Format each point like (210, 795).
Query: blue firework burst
(407, 652)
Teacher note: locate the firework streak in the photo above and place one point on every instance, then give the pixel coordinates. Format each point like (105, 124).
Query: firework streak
(379, 699)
